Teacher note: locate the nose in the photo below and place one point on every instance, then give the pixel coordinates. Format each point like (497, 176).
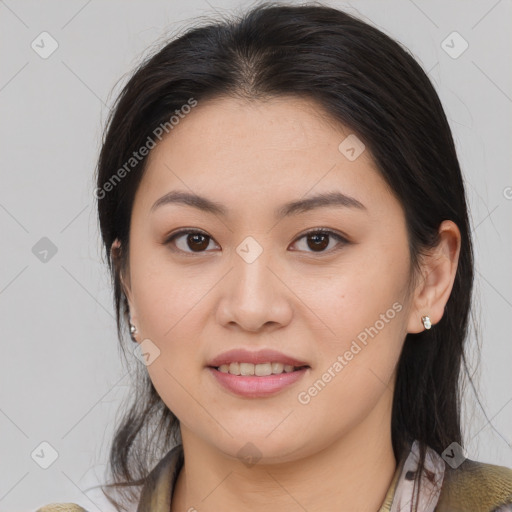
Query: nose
(254, 296)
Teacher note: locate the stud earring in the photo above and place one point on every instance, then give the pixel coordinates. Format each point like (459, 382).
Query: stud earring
(133, 331)
(426, 322)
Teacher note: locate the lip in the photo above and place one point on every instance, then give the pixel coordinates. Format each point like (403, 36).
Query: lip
(256, 357)
(256, 387)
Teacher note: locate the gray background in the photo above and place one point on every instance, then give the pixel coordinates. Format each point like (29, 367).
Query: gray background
(61, 377)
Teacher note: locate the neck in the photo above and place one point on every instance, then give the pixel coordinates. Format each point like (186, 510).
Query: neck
(353, 473)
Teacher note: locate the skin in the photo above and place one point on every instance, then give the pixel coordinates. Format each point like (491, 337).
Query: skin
(335, 452)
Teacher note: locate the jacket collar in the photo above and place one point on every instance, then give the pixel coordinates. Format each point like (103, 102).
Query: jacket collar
(158, 488)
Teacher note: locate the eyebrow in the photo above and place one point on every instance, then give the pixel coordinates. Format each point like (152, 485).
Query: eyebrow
(292, 208)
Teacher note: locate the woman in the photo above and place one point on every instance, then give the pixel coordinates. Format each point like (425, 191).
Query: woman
(285, 220)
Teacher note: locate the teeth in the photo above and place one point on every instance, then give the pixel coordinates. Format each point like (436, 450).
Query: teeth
(260, 370)
(234, 368)
(277, 367)
(246, 369)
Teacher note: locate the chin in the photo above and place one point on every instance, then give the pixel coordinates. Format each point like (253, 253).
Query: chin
(257, 447)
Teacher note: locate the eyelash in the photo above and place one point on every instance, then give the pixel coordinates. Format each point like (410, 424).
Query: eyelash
(324, 231)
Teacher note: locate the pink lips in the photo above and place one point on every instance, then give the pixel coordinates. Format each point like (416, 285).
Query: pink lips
(257, 387)
(254, 386)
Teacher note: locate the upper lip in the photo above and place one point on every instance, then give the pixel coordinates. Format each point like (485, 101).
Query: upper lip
(261, 356)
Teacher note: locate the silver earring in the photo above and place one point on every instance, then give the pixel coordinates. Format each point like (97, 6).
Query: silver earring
(426, 322)
(133, 331)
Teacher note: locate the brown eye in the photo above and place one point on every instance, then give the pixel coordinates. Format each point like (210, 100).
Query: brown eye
(197, 241)
(319, 240)
(190, 241)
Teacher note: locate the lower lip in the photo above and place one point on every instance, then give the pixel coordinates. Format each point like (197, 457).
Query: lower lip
(256, 387)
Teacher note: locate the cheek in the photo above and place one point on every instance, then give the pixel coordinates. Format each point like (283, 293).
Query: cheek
(355, 373)
(167, 304)
(169, 307)
(167, 296)
(363, 311)
(354, 300)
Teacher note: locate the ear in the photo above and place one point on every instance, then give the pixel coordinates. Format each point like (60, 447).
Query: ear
(438, 271)
(115, 254)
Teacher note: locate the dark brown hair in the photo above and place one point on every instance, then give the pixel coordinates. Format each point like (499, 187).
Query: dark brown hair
(361, 78)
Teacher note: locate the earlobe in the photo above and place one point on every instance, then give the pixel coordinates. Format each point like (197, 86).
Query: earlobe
(439, 269)
(115, 249)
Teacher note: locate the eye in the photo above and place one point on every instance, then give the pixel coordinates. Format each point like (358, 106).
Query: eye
(196, 241)
(319, 239)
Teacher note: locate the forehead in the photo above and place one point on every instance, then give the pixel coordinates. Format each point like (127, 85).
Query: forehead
(244, 152)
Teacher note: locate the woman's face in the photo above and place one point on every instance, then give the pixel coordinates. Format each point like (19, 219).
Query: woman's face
(254, 281)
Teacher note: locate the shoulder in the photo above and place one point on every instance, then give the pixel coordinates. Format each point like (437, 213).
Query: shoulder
(476, 486)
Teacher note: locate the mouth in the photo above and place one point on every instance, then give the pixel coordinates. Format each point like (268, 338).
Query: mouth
(249, 380)
(259, 370)
(255, 374)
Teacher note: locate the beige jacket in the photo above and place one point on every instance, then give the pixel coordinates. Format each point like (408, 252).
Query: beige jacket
(470, 487)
